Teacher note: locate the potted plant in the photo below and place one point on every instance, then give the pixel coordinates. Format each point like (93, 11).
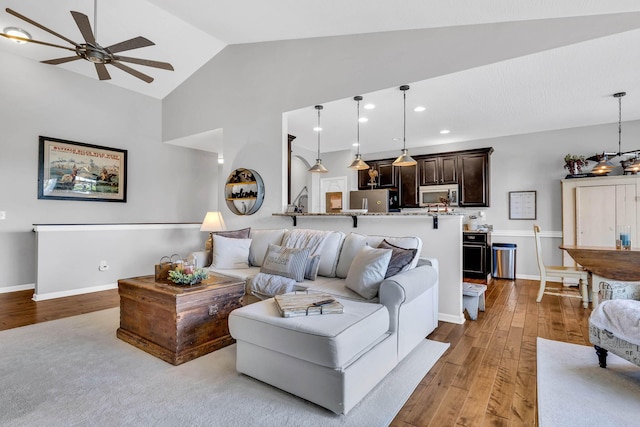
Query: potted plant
(574, 163)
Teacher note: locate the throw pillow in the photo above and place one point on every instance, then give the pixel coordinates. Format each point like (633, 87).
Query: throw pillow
(234, 234)
(400, 258)
(311, 270)
(367, 271)
(229, 253)
(286, 262)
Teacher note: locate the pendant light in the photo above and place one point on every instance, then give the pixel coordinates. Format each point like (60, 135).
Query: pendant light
(358, 163)
(404, 159)
(318, 167)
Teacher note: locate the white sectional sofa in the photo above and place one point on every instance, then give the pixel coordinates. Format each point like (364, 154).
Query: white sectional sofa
(334, 360)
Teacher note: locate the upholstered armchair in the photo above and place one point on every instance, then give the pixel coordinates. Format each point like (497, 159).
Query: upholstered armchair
(614, 325)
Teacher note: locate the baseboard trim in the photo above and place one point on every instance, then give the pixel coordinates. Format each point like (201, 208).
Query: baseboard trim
(72, 292)
(449, 318)
(17, 288)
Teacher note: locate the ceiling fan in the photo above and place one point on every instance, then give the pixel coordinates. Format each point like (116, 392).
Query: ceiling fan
(92, 51)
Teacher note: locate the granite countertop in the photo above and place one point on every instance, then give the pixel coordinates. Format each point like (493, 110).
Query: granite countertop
(369, 214)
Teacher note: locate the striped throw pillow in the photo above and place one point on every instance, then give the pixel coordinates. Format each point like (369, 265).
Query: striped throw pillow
(286, 262)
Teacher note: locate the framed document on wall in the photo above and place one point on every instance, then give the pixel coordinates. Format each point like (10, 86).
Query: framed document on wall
(522, 205)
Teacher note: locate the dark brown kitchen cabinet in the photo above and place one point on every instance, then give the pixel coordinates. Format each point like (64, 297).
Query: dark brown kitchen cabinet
(438, 170)
(473, 177)
(387, 175)
(407, 188)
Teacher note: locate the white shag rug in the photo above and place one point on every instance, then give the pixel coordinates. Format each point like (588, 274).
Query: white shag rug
(75, 371)
(573, 390)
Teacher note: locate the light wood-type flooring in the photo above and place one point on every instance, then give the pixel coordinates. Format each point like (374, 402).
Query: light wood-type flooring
(486, 378)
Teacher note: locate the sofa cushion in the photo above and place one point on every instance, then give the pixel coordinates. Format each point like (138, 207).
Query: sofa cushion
(330, 253)
(333, 286)
(400, 258)
(286, 262)
(331, 340)
(367, 271)
(260, 240)
(354, 242)
(230, 253)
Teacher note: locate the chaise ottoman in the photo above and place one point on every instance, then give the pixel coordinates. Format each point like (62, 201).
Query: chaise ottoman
(333, 360)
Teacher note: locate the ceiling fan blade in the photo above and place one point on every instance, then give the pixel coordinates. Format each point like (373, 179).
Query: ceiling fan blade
(134, 43)
(147, 62)
(59, 61)
(133, 72)
(82, 21)
(42, 27)
(35, 41)
(103, 74)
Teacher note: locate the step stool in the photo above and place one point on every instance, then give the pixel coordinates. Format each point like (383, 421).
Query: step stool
(473, 298)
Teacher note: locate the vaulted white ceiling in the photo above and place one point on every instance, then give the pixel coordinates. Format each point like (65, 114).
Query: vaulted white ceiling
(561, 87)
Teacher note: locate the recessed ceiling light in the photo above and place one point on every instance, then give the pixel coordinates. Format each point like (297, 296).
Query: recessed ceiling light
(355, 144)
(369, 106)
(17, 32)
(397, 139)
(363, 120)
(419, 109)
(445, 131)
(317, 128)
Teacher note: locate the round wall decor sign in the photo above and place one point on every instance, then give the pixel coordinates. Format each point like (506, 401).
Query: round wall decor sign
(244, 191)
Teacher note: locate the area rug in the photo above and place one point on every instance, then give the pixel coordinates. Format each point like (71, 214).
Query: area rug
(573, 390)
(75, 371)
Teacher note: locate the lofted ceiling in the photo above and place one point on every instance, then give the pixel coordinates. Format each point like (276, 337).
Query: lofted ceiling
(561, 87)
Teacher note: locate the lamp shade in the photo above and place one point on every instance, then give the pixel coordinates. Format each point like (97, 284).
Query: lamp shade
(213, 221)
(404, 159)
(358, 163)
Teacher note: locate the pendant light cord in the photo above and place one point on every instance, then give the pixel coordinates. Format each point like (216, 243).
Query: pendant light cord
(404, 120)
(619, 95)
(358, 133)
(319, 130)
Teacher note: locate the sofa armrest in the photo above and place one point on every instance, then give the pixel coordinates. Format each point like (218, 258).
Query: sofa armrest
(405, 287)
(619, 290)
(200, 257)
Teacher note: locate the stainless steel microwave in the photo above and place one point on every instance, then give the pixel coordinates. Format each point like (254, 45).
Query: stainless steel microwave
(433, 194)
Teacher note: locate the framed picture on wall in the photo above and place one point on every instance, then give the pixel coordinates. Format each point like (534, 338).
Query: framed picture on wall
(70, 170)
(522, 205)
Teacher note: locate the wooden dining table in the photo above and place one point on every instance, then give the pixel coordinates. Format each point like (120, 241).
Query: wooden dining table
(612, 263)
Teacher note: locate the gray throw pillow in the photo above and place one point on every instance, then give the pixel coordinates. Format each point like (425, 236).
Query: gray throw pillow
(400, 258)
(286, 262)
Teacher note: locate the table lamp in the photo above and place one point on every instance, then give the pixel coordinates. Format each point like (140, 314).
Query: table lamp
(212, 222)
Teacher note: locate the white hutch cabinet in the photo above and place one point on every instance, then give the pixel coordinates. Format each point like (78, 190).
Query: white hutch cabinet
(593, 208)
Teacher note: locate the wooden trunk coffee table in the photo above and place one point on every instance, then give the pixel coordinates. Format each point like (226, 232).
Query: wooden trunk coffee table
(177, 323)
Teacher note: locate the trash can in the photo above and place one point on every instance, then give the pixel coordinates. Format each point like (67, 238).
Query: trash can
(504, 260)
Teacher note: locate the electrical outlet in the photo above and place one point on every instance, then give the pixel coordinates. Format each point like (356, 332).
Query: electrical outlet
(3, 215)
(103, 265)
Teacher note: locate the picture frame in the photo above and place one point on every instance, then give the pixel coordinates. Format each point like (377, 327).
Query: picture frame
(69, 170)
(522, 205)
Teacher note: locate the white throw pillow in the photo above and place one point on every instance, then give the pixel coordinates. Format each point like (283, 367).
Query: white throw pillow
(353, 243)
(286, 262)
(229, 253)
(260, 243)
(367, 271)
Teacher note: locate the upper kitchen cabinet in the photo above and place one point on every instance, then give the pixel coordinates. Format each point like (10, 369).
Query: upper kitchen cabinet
(387, 175)
(438, 170)
(474, 177)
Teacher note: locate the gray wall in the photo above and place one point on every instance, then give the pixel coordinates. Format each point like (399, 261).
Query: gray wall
(165, 183)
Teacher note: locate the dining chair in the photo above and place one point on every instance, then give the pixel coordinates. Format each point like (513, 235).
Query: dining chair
(562, 273)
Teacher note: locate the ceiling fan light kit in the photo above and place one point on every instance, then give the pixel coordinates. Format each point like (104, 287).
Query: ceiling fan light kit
(17, 35)
(90, 50)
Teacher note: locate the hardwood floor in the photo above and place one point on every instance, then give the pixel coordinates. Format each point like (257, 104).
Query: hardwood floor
(487, 377)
